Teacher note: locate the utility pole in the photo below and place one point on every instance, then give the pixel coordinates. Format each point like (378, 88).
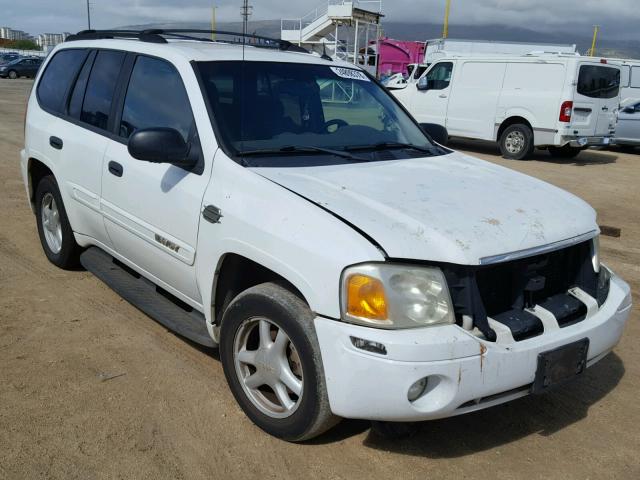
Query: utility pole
(245, 13)
(596, 29)
(88, 15)
(213, 21)
(445, 29)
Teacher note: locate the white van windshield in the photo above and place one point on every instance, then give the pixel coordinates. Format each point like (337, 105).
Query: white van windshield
(598, 81)
(269, 106)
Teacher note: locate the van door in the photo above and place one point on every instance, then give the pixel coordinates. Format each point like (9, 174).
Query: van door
(474, 99)
(152, 210)
(597, 97)
(428, 100)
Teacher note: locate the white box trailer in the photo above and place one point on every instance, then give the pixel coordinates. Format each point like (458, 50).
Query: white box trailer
(444, 47)
(564, 103)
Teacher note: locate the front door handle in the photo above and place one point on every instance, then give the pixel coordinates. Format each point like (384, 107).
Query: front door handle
(56, 143)
(442, 95)
(115, 169)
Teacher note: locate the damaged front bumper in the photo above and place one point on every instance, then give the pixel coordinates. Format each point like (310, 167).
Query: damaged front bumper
(464, 373)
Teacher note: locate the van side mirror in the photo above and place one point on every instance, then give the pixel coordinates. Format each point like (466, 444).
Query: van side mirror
(423, 83)
(438, 133)
(160, 145)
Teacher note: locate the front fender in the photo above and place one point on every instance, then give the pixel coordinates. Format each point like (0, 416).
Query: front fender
(279, 230)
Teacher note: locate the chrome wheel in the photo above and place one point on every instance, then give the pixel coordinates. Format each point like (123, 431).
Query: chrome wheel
(515, 142)
(268, 367)
(51, 224)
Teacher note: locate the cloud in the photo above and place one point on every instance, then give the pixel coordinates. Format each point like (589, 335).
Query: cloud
(618, 18)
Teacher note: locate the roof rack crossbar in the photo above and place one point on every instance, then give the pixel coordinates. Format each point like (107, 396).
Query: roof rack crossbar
(157, 35)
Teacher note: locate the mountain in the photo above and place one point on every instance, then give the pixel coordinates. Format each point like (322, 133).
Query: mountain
(607, 47)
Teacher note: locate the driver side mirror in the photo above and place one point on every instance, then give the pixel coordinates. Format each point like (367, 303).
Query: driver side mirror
(423, 84)
(438, 133)
(629, 110)
(160, 145)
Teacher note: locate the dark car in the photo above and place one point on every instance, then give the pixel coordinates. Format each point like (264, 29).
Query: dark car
(22, 67)
(8, 57)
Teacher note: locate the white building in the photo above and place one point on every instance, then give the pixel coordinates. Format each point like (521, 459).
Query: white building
(45, 40)
(11, 34)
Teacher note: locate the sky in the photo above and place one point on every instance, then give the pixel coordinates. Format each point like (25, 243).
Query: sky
(618, 18)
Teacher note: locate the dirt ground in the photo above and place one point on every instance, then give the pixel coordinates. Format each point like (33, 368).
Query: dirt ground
(92, 388)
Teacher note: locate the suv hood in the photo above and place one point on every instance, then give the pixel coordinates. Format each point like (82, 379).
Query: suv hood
(451, 208)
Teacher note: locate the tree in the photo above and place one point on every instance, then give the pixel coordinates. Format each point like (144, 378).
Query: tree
(23, 45)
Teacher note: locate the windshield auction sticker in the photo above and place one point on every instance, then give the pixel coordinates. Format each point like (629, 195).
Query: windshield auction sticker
(349, 73)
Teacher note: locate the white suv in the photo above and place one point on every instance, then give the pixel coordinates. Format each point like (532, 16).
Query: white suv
(288, 209)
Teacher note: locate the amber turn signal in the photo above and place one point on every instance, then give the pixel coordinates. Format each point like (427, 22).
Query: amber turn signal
(366, 298)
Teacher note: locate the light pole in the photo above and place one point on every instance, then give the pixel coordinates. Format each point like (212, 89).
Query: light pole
(596, 29)
(89, 15)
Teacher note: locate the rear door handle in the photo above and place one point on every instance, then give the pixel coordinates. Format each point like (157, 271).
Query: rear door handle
(56, 143)
(115, 169)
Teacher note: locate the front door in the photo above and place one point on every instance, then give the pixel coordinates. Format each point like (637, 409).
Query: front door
(152, 210)
(428, 99)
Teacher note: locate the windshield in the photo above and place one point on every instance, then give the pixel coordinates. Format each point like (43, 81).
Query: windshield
(267, 106)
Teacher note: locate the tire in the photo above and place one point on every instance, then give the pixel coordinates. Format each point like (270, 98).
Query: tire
(58, 244)
(13, 74)
(516, 142)
(565, 151)
(242, 331)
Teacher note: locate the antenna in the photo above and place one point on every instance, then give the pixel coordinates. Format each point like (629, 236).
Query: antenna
(88, 15)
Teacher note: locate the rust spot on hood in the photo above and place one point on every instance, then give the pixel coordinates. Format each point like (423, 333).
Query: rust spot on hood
(492, 221)
(483, 350)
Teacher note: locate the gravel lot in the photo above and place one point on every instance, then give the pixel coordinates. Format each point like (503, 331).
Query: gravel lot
(92, 388)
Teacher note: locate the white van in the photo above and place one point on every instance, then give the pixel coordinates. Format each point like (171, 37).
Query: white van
(629, 79)
(560, 102)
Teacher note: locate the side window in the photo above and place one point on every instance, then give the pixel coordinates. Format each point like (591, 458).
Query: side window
(635, 77)
(77, 94)
(57, 78)
(440, 76)
(156, 97)
(100, 88)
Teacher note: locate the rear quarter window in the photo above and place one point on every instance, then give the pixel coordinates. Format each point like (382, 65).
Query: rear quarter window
(598, 82)
(57, 78)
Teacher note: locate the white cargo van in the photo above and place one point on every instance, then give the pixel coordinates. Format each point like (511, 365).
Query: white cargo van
(629, 79)
(560, 102)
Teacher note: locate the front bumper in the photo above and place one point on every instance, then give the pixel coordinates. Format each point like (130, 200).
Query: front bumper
(464, 373)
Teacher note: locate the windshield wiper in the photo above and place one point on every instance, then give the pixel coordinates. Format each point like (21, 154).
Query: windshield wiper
(390, 145)
(299, 149)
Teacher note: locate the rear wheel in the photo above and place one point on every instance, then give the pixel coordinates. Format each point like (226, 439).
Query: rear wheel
(54, 230)
(271, 359)
(516, 142)
(13, 74)
(565, 151)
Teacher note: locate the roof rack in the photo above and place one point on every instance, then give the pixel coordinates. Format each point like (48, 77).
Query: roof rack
(157, 35)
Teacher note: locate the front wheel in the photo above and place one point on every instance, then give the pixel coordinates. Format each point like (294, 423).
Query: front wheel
(271, 359)
(565, 151)
(516, 142)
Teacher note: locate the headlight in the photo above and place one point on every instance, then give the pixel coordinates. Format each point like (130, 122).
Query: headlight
(395, 296)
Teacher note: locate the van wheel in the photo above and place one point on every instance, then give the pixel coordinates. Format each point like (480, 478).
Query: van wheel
(13, 74)
(271, 359)
(516, 142)
(54, 230)
(565, 151)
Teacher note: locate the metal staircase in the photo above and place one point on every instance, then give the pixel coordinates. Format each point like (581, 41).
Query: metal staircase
(341, 27)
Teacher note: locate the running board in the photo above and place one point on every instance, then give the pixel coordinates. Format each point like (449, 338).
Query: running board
(147, 296)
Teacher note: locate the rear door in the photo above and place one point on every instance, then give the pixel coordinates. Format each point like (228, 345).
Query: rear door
(152, 210)
(597, 96)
